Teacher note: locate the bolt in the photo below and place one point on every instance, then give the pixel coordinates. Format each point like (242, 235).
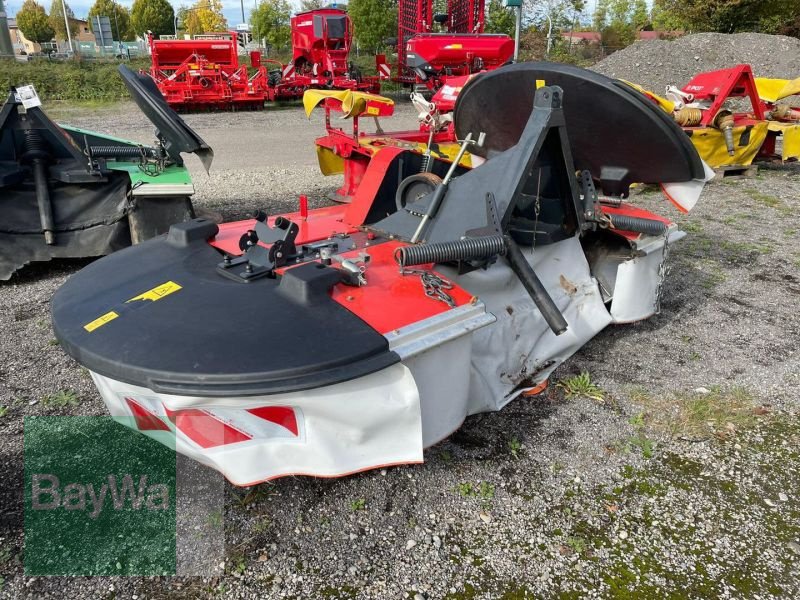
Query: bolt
(248, 268)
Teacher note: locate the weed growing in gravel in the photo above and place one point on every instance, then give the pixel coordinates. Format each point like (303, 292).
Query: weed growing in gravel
(256, 494)
(466, 490)
(236, 563)
(3, 411)
(514, 446)
(261, 525)
(358, 504)
(577, 545)
(643, 443)
(581, 386)
(61, 399)
(486, 491)
(52, 342)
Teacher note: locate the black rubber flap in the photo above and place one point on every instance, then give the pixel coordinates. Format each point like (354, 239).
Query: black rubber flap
(214, 336)
(178, 136)
(615, 132)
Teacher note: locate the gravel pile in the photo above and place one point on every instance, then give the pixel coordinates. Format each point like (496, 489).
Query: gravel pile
(658, 63)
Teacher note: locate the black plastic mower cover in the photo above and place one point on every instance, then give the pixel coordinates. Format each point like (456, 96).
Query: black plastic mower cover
(176, 135)
(614, 131)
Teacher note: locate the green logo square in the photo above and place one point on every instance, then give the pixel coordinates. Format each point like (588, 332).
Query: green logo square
(100, 498)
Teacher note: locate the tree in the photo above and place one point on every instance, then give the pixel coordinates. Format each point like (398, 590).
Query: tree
(725, 16)
(57, 20)
(33, 22)
(118, 15)
(373, 21)
(205, 16)
(499, 18)
(271, 21)
(157, 16)
(311, 5)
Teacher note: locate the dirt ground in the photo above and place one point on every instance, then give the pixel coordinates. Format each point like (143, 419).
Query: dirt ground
(671, 469)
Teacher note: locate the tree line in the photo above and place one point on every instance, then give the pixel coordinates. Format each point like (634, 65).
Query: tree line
(375, 21)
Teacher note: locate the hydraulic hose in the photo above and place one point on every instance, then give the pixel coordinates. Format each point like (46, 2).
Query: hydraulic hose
(35, 152)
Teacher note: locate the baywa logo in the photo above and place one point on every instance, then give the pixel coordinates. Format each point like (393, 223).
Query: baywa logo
(47, 494)
(99, 499)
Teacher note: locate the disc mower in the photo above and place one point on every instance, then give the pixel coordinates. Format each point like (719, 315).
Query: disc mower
(348, 153)
(733, 118)
(67, 192)
(350, 337)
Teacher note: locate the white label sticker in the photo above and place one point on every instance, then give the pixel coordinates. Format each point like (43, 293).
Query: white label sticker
(28, 96)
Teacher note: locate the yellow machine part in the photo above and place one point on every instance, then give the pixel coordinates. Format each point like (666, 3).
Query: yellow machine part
(791, 138)
(773, 90)
(331, 163)
(666, 105)
(354, 104)
(710, 144)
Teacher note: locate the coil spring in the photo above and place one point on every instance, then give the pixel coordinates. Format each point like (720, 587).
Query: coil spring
(470, 248)
(688, 117)
(34, 142)
(123, 151)
(639, 225)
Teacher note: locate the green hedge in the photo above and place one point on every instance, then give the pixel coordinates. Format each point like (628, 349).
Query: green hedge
(68, 80)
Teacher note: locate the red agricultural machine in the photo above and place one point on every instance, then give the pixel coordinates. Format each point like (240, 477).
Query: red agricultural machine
(321, 41)
(426, 57)
(205, 72)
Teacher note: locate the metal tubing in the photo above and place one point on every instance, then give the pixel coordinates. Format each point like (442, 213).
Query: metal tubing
(552, 315)
(440, 192)
(43, 200)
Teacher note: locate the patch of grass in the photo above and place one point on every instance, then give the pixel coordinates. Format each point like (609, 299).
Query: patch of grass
(261, 525)
(3, 411)
(692, 226)
(215, 519)
(720, 412)
(358, 504)
(61, 399)
(765, 199)
(581, 386)
(486, 490)
(577, 544)
(466, 489)
(446, 457)
(52, 342)
(643, 443)
(236, 563)
(256, 494)
(514, 446)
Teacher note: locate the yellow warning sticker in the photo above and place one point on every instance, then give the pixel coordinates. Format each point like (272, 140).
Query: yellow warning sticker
(373, 110)
(100, 321)
(158, 292)
(540, 83)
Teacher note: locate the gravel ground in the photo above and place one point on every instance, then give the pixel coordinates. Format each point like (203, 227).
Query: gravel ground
(656, 64)
(673, 473)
